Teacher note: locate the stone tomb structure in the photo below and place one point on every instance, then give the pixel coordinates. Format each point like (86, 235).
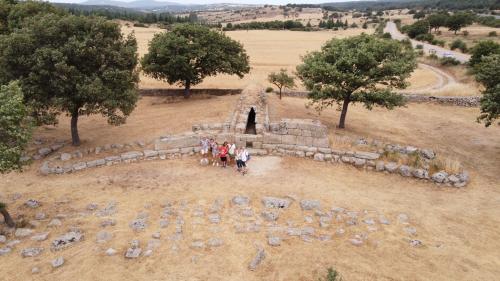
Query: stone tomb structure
(249, 125)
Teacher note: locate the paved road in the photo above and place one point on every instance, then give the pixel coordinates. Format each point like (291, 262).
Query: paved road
(439, 51)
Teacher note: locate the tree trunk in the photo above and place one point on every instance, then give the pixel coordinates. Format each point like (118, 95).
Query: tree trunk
(187, 92)
(280, 93)
(6, 217)
(343, 114)
(74, 128)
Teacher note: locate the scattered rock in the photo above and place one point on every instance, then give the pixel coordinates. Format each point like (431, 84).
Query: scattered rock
(369, 221)
(32, 203)
(138, 224)
(247, 212)
(319, 157)
(197, 244)
(133, 253)
(164, 223)
(65, 156)
(103, 236)
(109, 210)
(156, 235)
(67, 240)
(111, 252)
(44, 151)
(57, 262)
(31, 252)
(23, 232)
(35, 270)
(40, 236)
(403, 218)
(274, 241)
(214, 218)
(340, 232)
(411, 230)
(257, 260)
(40, 216)
(270, 215)
(308, 204)
(215, 242)
(3, 239)
(108, 222)
(273, 202)
(356, 242)
(415, 243)
(13, 243)
(55, 223)
(5, 251)
(240, 200)
(92, 206)
(384, 220)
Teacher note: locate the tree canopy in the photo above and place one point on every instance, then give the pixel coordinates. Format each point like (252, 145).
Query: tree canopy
(72, 64)
(488, 73)
(281, 80)
(189, 53)
(458, 21)
(15, 127)
(362, 69)
(482, 49)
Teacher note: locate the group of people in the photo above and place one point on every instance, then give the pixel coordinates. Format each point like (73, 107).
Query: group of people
(225, 154)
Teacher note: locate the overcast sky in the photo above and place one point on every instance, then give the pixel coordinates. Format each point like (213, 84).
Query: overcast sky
(226, 1)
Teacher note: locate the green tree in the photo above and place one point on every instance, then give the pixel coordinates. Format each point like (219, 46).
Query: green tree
(73, 64)
(281, 80)
(15, 132)
(15, 127)
(482, 49)
(417, 28)
(189, 53)
(361, 69)
(488, 73)
(437, 20)
(458, 20)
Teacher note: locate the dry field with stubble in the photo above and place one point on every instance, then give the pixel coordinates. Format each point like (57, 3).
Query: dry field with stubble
(271, 50)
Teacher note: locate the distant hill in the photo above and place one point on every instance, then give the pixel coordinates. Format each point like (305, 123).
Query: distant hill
(400, 4)
(138, 4)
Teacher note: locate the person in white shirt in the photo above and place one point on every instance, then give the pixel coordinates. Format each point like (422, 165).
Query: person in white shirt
(244, 157)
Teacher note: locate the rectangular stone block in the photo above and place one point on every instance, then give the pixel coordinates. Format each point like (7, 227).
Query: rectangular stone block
(306, 133)
(95, 163)
(321, 142)
(131, 155)
(305, 141)
(257, 144)
(289, 139)
(269, 146)
(295, 132)
(150, 153)
(272, 138)
(169, 142)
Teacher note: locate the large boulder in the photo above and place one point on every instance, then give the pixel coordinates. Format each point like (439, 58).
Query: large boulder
(391, 167)
(405, 171)
(308, 204)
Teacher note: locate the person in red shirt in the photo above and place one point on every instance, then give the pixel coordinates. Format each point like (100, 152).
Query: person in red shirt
(223, 154)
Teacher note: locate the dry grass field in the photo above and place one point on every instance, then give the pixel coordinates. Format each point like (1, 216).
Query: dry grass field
(459, 227)
(286, 49)
(475, 34)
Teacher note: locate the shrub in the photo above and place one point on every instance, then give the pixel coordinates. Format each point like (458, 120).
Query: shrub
(420, 53)
(419, 47)
(332, 275)
(439, 32)
(425, 37)
(433, 57)
(269, 89)
(387, 35)
(446, 61)
(492, 34)
(438, 42)
(465, 33)
(459, 44)
(140, 24)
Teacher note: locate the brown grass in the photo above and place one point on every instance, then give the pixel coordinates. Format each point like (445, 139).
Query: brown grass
(459, 228)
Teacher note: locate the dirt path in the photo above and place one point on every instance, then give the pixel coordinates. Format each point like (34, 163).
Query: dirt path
(444, 80)
(439, 51)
